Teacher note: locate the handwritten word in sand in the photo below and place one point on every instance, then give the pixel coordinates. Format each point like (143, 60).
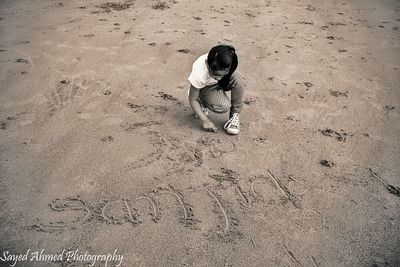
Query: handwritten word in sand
(147, 207)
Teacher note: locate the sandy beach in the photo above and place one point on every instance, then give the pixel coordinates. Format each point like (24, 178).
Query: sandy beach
(100, 152)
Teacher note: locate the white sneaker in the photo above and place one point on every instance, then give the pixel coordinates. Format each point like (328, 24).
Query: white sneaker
(232, 126)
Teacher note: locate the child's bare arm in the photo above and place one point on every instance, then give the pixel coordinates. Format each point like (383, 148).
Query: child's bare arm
(194, 103)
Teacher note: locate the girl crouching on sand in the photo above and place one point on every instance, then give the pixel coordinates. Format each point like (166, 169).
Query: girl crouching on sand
(213, 74)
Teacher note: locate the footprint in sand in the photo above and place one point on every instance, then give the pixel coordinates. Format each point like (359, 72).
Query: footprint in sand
(63, 95)
(80, 90)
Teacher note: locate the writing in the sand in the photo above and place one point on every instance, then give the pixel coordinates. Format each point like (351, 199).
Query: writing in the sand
(126, 210)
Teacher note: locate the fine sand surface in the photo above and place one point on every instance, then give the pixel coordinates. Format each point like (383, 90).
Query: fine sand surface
(100, 150)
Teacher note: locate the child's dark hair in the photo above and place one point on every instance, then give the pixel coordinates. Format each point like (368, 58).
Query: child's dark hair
(223, 57)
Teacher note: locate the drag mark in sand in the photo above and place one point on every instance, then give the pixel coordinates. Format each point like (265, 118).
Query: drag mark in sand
(313, 261)
(113, 6)
(292, 257)
(181, 156)
(128, 215)
(179, 198)
(168, 97)
(155, 213)
(132, 217)
(227, 175)
(253, 190)
(285, 192)
(216, 147)
(240, 192)
(278, 184)
(147, 160)
(307, 218)
(392, 189)
(103, 208)
(213, 195)
(61, 205)
(296, 261)
(187, 217)
(133, 126)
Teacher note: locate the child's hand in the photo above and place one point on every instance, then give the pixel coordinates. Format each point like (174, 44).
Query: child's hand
(209, 126)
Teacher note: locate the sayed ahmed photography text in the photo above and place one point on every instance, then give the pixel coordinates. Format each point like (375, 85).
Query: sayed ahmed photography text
(66, 255)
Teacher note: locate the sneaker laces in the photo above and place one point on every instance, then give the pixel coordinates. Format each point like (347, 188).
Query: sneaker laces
(233, 121)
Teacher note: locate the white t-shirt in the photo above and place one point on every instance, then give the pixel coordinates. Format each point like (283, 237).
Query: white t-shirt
(200, 76)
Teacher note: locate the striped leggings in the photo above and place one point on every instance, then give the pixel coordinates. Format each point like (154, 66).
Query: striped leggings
(218, 101)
